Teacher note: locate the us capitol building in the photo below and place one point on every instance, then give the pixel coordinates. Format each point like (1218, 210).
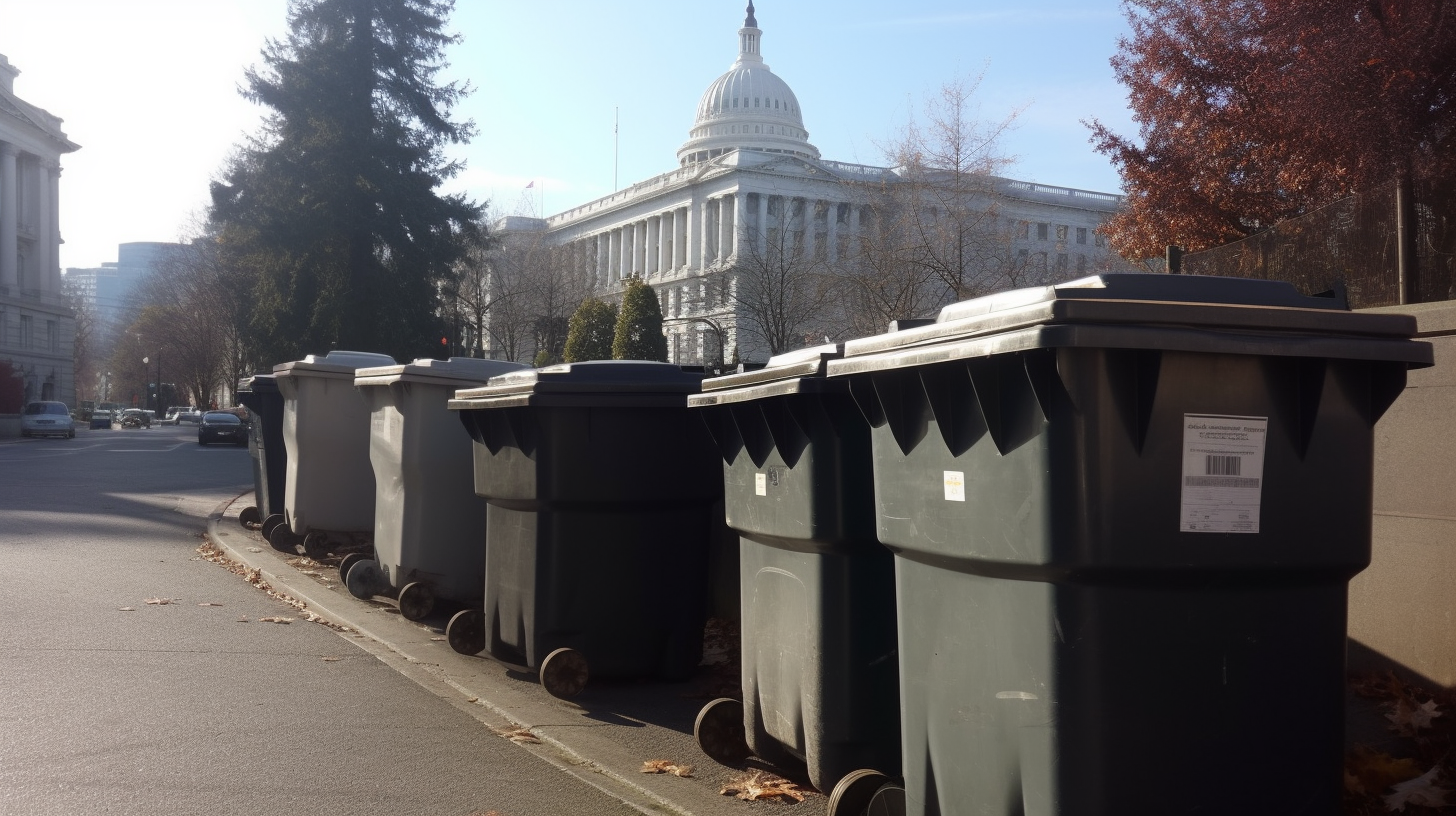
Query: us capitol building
(748, 173)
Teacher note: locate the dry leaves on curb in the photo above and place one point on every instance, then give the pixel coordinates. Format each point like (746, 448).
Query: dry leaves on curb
(759, 785)
(667, 766)
(275, 619)
(518, 735)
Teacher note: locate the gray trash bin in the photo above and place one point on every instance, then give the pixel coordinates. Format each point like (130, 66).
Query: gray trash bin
(820, 681)
(601, 487)
(1124, 512)
(429, 525)
(330, 485)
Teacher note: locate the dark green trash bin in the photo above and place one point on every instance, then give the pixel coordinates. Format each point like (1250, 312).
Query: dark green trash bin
(1124, 513)
(259, 394)
(600, 487)
(820, 682)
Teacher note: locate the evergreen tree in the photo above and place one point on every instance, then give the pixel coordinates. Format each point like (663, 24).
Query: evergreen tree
(334, 207)
(639, 325)
(593, 327)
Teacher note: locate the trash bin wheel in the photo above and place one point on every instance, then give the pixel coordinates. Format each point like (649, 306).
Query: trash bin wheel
(720, 733)
(564, 673)
(466, 631)
(365, 579)
(316, 545)
(269, 523)
(889, 800)
(347, 563)
(250, 516)
(282, 539)
(853, 794)
(416, 600)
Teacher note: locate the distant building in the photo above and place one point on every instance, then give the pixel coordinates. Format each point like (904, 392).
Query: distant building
(106, 290)
(36, 324)
(749, 178)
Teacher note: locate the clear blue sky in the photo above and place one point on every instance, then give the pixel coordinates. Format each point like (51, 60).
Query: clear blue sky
(148, 88)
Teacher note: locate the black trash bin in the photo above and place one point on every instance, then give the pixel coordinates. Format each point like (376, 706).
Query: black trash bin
(600, 487)
(1124, 513)
(820, 681)
(259, 394)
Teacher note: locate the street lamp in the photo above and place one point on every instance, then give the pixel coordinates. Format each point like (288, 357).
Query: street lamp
(716, 326)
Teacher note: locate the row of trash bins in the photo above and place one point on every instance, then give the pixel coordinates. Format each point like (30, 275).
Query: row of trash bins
(1080, 549)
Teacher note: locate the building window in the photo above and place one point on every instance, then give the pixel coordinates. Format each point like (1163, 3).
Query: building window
(1041, 232)
(27, 329)
(53, 336)
(1081, 235)
(1061, 262)
(1061, 232)
(1081, 262)
(1023, 230)
(755, 101)
(1098, 239)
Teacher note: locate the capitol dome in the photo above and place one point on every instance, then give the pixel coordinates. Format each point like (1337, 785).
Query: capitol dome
(748, 108)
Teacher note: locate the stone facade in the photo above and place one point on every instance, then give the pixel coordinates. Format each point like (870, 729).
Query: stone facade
(748, 178)
(36, 323)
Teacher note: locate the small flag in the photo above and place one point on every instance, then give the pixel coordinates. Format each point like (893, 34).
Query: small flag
(532, 184)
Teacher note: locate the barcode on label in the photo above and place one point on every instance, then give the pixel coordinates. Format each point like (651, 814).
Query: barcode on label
(1222, 465)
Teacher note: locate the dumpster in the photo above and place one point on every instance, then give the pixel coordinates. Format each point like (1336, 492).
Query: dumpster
(329, 489)
(259, 394)
(1124, 512)
(820, 681)
(429, 525)
(600, 486)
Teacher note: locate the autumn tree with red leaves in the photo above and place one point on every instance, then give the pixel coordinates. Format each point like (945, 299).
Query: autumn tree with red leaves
(1251, 112)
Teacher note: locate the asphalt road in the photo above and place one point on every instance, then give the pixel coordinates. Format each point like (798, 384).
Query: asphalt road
(111, 704)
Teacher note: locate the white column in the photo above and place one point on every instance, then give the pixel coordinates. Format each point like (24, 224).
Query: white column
(762, 239)
(603, 253)
(664, 241)
(54, 183)
(709, 210)
(725, 228)
(692, 228)
(614, 254)
(9, 273)
(740, 225)
(639, 247)
(680, 242)
(624, 258)
(810, 213)
(44, 240)
(654, 239)
(833, 253)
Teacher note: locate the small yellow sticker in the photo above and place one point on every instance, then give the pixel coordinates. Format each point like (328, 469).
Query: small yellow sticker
(760, 484)
(955, 485)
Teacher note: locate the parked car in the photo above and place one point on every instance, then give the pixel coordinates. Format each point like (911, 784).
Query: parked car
(136, 418)
(221, 426)
(191, 415)
(47, 419)
(100, 420)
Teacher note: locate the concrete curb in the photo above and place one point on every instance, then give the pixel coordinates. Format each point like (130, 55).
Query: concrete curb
(581, 745)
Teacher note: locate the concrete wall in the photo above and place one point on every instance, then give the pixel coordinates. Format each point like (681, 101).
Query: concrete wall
(1403, 608)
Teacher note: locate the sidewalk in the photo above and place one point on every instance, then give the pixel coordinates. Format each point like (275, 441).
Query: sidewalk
(602, 737)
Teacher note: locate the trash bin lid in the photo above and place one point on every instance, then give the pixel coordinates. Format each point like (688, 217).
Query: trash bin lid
(794, 372)
(617, 383)
(459, 372)
(258, 384)
(1145, 311)
(335, 364)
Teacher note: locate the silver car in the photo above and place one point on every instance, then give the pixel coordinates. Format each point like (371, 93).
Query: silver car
(47, 419)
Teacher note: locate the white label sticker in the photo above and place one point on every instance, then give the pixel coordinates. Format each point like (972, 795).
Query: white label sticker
(1223, 473)
(760, 484)
(955, 485)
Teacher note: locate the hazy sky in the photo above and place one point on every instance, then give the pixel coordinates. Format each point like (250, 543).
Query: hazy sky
(148, 88)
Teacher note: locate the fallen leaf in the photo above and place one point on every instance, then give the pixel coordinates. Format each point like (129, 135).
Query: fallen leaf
(275, 619)
(255, 549)
(518, 735)
(472, 700)
(759, 785)
(1371, 771)
(159, 601)
(1419, 791)
(244, 619)
(332, 659)
(127, 609)
(667, 766)
(209, 604)
(436, 638)
(1408, 719)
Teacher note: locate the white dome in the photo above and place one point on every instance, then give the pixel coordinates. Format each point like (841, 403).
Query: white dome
(748, 108)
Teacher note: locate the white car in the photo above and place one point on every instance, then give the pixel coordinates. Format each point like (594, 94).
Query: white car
(47, 419)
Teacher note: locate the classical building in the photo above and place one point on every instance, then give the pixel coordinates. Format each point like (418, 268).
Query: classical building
(36, 324)
(750, 189)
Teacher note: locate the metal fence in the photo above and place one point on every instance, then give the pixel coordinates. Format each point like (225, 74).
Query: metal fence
(1355, 242)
